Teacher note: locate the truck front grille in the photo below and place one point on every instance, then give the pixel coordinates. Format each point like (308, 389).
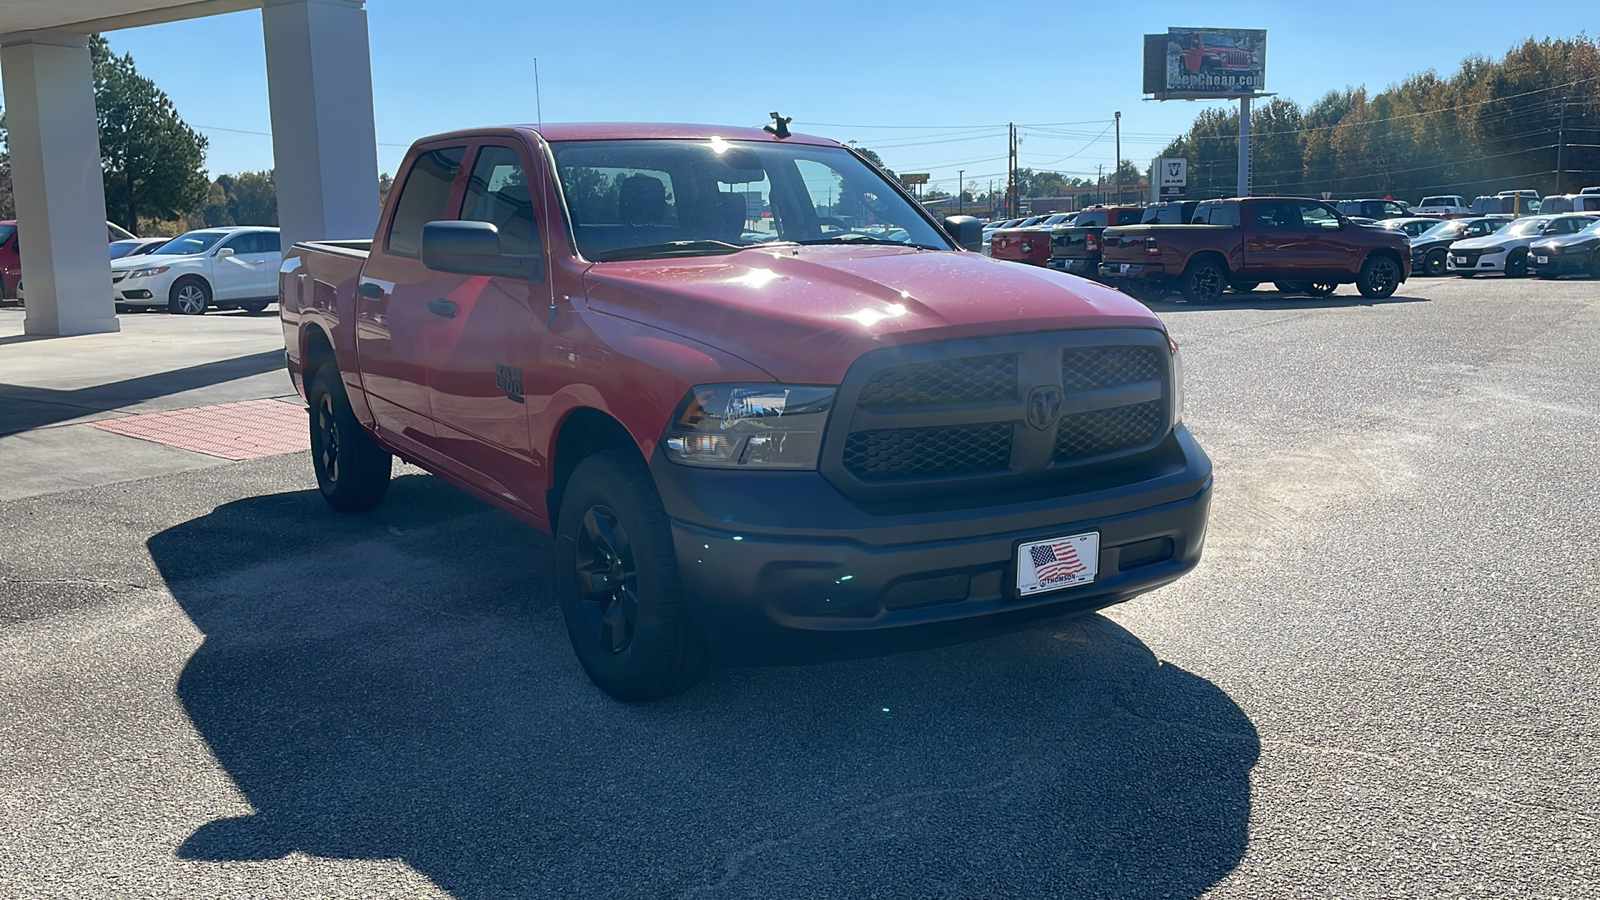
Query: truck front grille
(899, 452)
(974, 379)
(963, 415)
(1103, 431)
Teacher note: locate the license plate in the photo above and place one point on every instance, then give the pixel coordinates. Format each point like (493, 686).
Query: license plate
(1461, 259)
(1057, 563)
(1124, 270)
(1542, 259)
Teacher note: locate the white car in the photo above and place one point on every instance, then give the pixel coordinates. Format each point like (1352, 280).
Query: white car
(1507, 249)
(209, 268)
(1450, 206)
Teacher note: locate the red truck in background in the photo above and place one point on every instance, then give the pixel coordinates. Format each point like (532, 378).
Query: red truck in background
(754, 428)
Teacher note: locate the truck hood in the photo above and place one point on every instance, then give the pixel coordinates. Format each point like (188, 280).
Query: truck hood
(804, 314)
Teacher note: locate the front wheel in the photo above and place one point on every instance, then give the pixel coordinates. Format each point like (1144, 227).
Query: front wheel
(1204, 282)
(1517, 265)
(1434, 263)
(352, 470)
(1379, 278)
(189, 297)
(617, 576)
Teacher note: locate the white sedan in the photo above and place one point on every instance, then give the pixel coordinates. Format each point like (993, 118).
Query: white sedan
(1506, 250)
(212, 267)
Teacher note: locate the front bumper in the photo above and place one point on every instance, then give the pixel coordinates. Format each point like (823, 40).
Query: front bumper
(1558, 263)
(779, 567)
(1485, 263)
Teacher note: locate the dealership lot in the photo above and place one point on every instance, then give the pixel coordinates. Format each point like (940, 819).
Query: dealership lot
(1379, 683)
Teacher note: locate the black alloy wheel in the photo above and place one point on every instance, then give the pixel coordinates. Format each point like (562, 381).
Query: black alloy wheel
(1204, 282)
(1517, 265)
(352, 470)
(1379, 278)
(1434, 263)
(608, 579)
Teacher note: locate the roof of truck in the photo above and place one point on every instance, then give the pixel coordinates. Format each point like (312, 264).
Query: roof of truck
(637, 131)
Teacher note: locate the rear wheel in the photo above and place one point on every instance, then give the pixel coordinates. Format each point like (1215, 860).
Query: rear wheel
(189, 297)
(352, 470)
(1379, 278)
(1203, 282)
(1434, 263)
(1144, 291)
(618, 580)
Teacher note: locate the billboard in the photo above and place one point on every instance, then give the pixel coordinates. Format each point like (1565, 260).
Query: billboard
(1205, 63)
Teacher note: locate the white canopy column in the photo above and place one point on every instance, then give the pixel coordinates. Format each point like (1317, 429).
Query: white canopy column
(56, 181)
(324, 143)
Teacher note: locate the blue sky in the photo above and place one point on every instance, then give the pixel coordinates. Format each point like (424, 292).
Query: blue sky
(930, 85)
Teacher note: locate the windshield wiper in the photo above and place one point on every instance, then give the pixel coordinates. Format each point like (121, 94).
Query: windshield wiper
(672, 248)
(856, 237)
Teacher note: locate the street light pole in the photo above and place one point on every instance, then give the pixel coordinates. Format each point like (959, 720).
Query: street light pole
(1116, 170)
(961, 192)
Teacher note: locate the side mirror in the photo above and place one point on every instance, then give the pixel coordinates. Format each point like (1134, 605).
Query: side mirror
(472, 248)
(224, 252)
(966, 230)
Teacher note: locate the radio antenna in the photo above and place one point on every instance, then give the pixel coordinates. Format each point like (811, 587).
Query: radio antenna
(538, 103)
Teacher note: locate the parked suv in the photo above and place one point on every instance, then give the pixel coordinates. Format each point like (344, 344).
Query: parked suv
(210, 268)
(1373, 209)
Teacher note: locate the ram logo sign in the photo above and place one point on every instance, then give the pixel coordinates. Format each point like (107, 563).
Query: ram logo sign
(1174, 173)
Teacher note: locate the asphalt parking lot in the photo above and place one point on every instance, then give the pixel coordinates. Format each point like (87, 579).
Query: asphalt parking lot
(1380, 682)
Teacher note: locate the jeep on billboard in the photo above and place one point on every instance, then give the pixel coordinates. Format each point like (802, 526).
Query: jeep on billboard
(1205, 62)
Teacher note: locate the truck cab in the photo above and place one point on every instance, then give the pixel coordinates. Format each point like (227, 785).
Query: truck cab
(768, 408)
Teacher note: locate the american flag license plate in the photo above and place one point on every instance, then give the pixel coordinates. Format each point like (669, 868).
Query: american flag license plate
(1057, 563)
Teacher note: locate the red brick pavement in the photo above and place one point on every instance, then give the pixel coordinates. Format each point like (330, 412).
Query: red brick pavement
(245, 430)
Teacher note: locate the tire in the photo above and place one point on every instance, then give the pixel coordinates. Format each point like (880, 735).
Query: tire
(1434, 263)
(255, 307)
(1243, 287)
(1594, 267)
(1144, 291)
(189, 296)
(1203, 282)
(1379, 278)
(617, 576)
(352, 470)
(1517, 265)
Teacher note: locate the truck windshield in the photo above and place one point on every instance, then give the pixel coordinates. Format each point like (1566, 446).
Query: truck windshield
(652, 199)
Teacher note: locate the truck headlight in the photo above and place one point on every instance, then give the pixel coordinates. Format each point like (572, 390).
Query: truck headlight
(148, 273)
(1177, 382)
(757, 426)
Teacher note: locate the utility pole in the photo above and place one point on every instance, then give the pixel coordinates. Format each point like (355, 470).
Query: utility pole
(1561, 142)
(1100, 183)
(961, 192)
(1013, 190)
(1116, 164)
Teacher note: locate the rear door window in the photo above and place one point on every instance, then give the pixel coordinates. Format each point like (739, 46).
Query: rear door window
(423, 198)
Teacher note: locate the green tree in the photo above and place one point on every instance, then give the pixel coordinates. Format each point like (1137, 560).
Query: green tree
(253, 199)
(8, 205)
(877, 161)
(151, 160)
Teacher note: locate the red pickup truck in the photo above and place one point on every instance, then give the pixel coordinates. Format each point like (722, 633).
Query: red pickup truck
(1304, 246)
(768, 407)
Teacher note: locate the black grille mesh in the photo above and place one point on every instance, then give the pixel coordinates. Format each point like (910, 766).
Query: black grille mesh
(1091, 368)
(1101, 431)
(926, 452)
(947, 382)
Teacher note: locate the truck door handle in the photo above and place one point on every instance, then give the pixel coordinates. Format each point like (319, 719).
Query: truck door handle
(446, 308)
(369, 290)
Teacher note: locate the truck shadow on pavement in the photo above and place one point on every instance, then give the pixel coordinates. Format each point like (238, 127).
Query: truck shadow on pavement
(399, 685)
(1277, 300)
